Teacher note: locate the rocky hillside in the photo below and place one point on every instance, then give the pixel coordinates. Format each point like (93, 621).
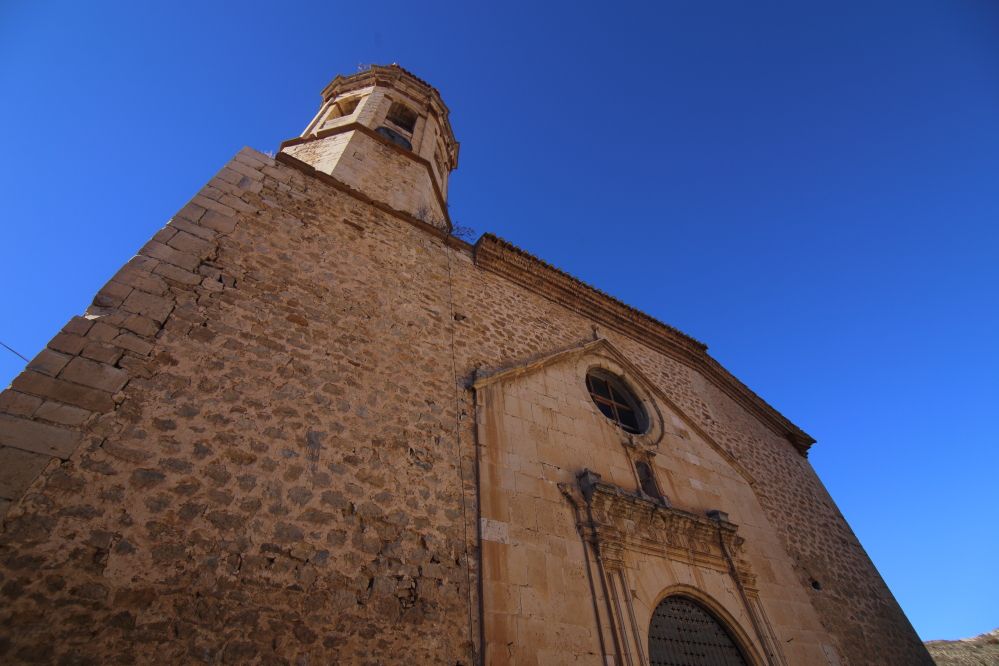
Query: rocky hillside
(978, 651)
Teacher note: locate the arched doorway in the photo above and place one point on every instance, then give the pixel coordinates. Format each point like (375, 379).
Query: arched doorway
(684, 633)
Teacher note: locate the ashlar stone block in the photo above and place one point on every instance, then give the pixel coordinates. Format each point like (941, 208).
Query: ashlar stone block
(60, 413)
(18, 469)
(154, 307)
(68, 392)
(49, 362)
(95, 375)
(37, 437)
(17, 403)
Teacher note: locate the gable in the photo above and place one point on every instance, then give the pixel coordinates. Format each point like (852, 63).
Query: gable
(557, 379)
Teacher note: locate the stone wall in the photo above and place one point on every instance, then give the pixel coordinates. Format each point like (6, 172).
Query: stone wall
(246, 448)
(258, 444)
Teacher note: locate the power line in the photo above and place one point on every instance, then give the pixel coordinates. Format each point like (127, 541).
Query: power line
(13, 352)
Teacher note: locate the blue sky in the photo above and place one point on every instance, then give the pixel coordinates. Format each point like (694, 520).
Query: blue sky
(810, 188)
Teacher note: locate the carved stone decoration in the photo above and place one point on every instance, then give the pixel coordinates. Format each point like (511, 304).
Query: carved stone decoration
(631, 521)
(622, 521)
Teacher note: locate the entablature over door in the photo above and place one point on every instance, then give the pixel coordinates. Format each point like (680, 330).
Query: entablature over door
(625, 528)
(624, 520)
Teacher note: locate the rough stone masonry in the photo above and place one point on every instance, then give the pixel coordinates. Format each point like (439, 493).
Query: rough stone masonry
(305, 424)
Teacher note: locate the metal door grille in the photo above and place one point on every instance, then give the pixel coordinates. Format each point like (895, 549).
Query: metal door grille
(684, 634)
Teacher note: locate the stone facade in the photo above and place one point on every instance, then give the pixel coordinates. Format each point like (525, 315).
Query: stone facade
(307, 425)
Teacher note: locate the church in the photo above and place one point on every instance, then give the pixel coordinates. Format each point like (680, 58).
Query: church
(308, 424)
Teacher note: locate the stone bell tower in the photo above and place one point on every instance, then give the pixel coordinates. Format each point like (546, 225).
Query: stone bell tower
(385, 133)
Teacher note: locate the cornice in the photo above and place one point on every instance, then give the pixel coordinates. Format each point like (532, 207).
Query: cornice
(503, 258)
(376, 74)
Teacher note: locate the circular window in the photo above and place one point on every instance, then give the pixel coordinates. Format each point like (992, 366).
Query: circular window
(616, 401)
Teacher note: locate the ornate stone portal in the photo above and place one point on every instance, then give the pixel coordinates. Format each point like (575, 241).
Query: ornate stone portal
(618, 522)
(586, 527)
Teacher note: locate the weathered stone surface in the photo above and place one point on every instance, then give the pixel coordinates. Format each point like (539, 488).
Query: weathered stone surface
(133, 343)
(16, 403)
(176, 274)
(112, 294)
(128, 454)
(97, 351)
(155, 307)
(67, 343)
(186, 242)
(140, 278)
(192, 228)
(57, 412)
(102, 331)
(219, 222)
(983, 649)
(63, 391)
(18, 469)
(49, 362)
(38, 437)
(95, 375)
(170, 255)
(143, 478)
(141, 325)
(77, 326)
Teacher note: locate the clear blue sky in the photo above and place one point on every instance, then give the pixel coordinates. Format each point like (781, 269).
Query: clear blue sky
(810, 188)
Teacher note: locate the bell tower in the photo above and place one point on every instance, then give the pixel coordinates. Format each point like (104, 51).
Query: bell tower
(386, 133)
